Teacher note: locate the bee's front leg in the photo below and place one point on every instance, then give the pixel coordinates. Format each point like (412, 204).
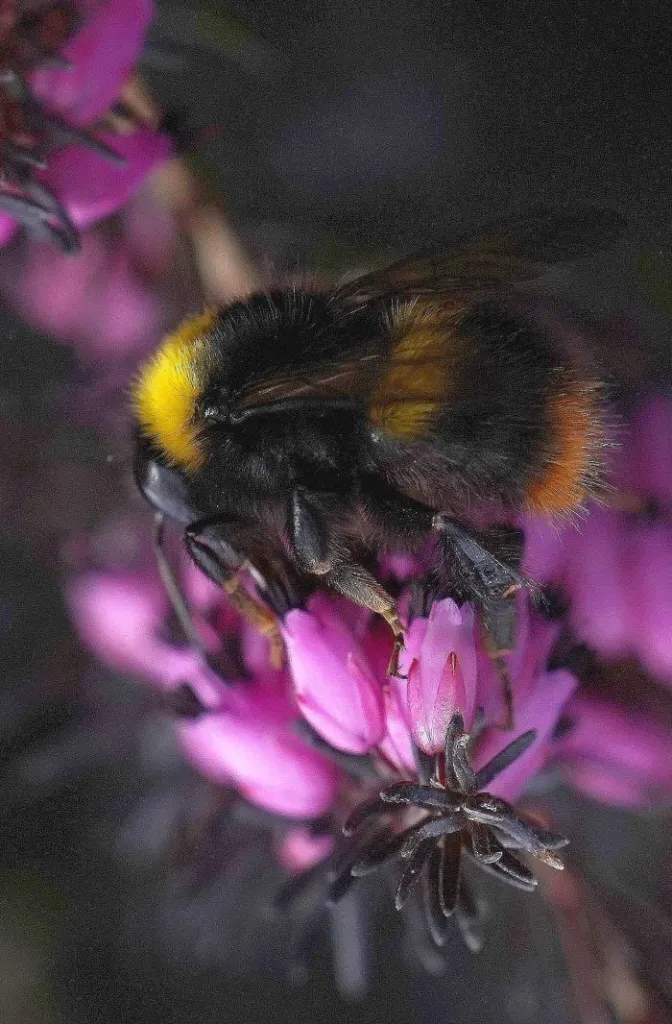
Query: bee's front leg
(208, 543)
(353, 581)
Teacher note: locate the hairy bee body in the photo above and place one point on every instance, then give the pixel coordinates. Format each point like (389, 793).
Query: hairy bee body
(328, 425)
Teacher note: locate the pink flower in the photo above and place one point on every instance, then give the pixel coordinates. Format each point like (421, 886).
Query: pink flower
(334, 685)
(441, 662)
(121, 618)
(250, 745)
(101, 55)
(614, 754)
(113, 302)
(76, 179)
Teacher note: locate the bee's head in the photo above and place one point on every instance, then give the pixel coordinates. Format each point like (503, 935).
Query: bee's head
(210, 374)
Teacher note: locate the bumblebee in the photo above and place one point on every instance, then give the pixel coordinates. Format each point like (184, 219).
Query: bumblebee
(298, 433)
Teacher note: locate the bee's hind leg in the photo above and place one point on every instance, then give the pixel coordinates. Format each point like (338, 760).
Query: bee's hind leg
(484, 567)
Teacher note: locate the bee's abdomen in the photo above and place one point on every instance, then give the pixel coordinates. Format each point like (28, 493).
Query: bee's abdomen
(571, 462)
(521, 420)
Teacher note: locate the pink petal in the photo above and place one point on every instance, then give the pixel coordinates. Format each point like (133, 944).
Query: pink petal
(597, 582)
(119, 617)
(333, 685)
(541, 711)
(300, 850)
(443, 677)
(91, 187)
(652, 430)
(615, 755)
(8, 228)
(649, 593)
(98, 304)
(396, 745)
(545, 549)
(269, 764)
(102, 55)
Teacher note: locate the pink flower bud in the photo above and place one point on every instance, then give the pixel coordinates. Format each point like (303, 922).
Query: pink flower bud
(442, 675)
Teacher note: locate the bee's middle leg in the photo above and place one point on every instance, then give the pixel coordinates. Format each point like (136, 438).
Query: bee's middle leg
(318, 552)
(353, 581)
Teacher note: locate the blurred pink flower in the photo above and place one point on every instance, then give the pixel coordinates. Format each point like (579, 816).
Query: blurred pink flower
(57, 176)
(250, 745)
(113, 302)
(615, 754)
(122, 618)
(300, 849)
(101, 54)
(614, 569)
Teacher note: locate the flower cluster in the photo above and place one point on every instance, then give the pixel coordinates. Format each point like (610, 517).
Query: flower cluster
(64, 161)
(416, 767)
(411, 774)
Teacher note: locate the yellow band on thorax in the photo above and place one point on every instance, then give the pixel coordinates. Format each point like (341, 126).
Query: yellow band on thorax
(167, 389)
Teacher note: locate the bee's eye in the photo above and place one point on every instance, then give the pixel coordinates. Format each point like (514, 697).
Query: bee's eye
(215, 412)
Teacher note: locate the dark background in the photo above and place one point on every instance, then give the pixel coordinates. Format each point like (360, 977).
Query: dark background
(349, 130)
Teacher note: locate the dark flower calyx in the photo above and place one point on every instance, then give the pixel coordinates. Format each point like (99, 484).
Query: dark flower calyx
(430, 825)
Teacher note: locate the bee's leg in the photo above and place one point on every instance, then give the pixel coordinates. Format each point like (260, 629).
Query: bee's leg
(360, 586)
(308, 532)
(221, 562)
(484, 567)
(172, 587)
(316, 552)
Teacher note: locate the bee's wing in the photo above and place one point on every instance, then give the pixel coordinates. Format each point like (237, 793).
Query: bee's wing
(510, 250)
(513, 249)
